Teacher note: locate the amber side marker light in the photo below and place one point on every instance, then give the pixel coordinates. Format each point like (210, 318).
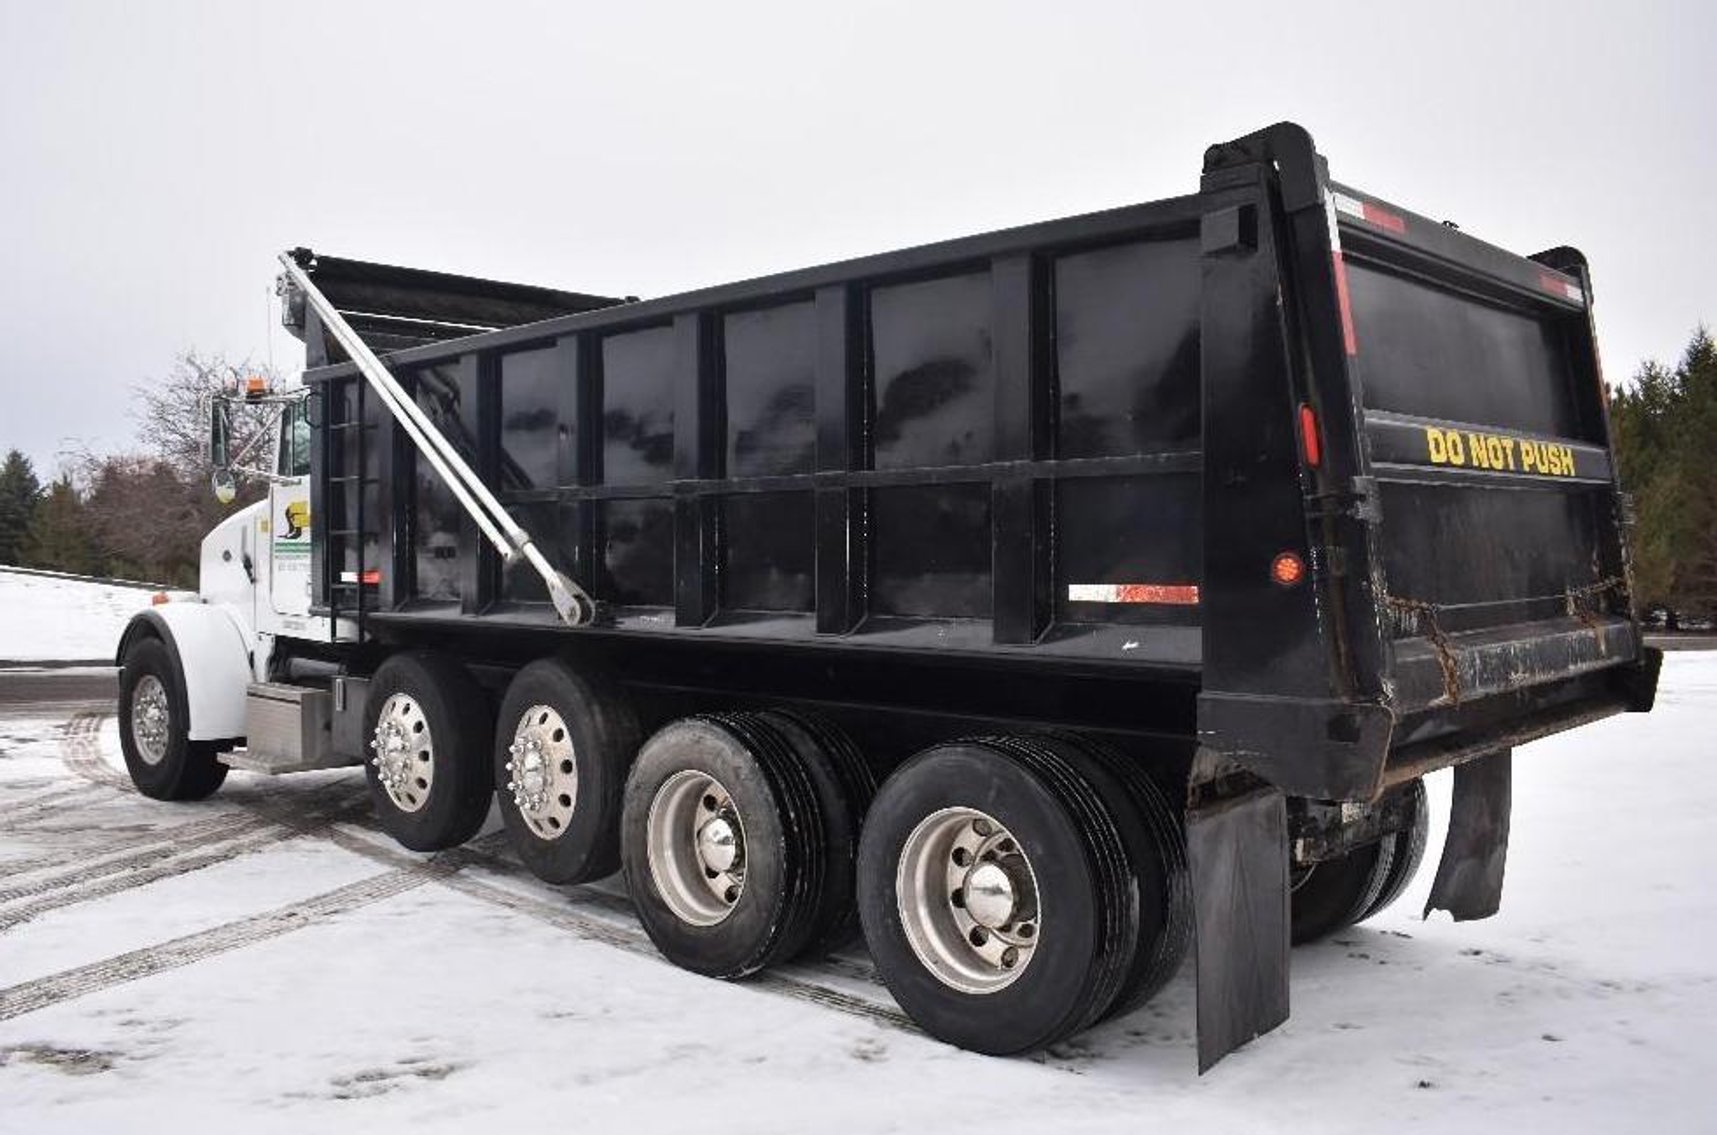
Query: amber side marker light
(159, 598)
(1287, 569)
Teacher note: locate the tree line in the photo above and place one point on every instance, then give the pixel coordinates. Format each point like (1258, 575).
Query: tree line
(1665, 426)
(143, 514)
(140, 514)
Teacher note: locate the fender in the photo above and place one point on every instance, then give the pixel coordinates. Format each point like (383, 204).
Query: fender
(209, 647)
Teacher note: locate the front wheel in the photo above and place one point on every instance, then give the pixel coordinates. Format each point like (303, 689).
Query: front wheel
(154, 728)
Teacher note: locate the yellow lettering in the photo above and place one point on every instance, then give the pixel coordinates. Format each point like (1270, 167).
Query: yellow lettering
(1481, 455)
(1508, 450)
(1529, 457)
(1438, 448)
(1567, 461)
(1457, 448)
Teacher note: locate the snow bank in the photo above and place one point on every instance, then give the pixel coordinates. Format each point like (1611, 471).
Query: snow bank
(44, 618)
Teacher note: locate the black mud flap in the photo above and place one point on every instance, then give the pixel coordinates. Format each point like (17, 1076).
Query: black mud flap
(1237, 848)
(1469, 876)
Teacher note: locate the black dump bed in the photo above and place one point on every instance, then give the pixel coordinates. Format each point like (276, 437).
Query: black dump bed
(1065, 471)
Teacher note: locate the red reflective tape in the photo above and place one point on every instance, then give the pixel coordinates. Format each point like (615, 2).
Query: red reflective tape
(1183, 595)
(374, 575)
(1309, 436)
(1173, 594)
(1345, 304)
(1562, 286)
(1383, 218)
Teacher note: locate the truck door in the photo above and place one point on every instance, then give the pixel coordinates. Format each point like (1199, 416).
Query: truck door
(290, 521)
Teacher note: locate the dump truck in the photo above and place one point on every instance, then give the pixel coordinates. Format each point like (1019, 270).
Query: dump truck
(1043, 605)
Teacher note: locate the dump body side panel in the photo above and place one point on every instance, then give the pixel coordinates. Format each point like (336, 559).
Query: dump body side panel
(989, 447)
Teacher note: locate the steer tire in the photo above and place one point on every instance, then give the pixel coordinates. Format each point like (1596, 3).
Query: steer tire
(590, 732)
(177, 768)
(443, 716)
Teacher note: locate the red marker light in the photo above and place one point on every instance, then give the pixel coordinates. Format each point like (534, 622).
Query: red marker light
(1287, 569)
(1309, 436)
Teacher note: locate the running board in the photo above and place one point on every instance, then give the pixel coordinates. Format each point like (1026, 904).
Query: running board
(287, 729)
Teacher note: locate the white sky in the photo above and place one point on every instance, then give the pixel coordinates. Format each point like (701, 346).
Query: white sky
(156, 156)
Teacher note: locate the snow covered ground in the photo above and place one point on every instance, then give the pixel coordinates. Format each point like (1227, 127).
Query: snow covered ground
(264, 961)
(52, 619)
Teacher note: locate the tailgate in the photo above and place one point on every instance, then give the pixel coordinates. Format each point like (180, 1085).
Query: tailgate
(1499, 536)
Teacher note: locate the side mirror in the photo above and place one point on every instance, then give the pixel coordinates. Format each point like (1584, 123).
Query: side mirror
(220, 432)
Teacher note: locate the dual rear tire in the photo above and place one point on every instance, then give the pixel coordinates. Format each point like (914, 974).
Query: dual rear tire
(740, 834)
(1330, 896)
(1017, 890)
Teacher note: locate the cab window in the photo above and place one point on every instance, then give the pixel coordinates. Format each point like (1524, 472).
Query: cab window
(294, 449)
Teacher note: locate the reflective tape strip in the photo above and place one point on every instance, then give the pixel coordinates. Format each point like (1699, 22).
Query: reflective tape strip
(1369, 213)
(1562, 287)
(1173, 594)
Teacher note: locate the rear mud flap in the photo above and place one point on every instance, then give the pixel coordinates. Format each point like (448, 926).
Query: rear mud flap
(1237, 849)
(1469, 876)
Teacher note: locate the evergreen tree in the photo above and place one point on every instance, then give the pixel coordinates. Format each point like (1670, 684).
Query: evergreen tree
(1665, 428)
(59, 536)
(19, 494)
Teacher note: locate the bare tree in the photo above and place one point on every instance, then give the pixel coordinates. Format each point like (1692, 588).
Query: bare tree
(173, 413)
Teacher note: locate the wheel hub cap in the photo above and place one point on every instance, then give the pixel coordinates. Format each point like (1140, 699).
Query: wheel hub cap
(718, 844)
(696, 841)
(968, 900)
(150, 720)
(404, 752)
(542, 774)
(989, 892)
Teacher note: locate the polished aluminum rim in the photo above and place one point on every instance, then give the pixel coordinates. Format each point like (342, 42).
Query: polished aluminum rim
(404, 752)
(542, 774)
(696, 843)
(150, 719)
(968, 900)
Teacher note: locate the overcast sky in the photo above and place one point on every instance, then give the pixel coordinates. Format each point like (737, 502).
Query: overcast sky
(156, 156)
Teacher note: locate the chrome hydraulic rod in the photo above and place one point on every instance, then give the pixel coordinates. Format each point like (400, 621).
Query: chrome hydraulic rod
(571, 602)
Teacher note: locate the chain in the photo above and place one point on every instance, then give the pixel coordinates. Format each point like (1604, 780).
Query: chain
(1425, 617)
(1579, 599)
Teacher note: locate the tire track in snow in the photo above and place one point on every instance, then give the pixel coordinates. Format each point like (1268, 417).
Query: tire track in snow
(626, 936)
(30, 996)
(80, 750)
(146, 851)
(24, 811)
(150, 866)
(83, 755)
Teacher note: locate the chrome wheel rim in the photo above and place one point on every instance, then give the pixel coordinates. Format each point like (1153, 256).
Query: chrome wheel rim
(542, 773)
(151, 720)
(696, 842)
(968, 900)
(404, 752)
